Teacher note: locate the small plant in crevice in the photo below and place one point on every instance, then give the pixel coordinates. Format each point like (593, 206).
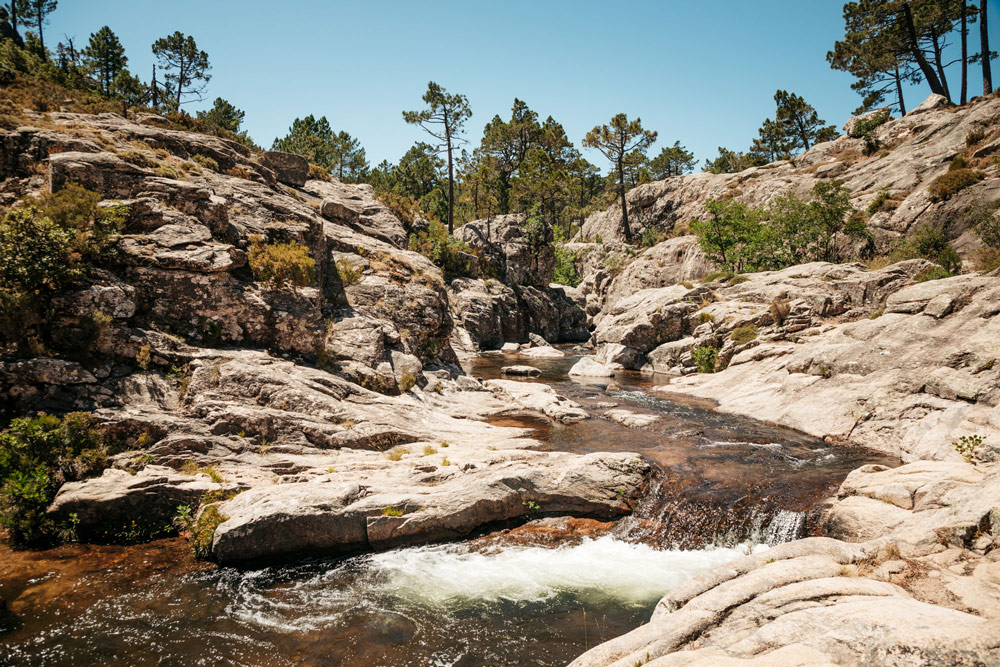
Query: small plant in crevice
(532, 507)
(967, 445)
(392, 511)
(429, 451)
(705, 357)
(396, 454)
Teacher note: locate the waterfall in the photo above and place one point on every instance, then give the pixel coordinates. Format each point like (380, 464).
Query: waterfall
(785, 526)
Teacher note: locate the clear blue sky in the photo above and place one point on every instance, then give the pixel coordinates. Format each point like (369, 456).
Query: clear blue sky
(701, 72)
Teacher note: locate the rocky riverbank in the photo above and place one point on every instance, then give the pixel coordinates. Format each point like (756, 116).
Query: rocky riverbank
(333, 417)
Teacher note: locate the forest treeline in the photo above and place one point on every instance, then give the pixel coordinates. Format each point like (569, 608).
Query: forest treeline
(522, 163)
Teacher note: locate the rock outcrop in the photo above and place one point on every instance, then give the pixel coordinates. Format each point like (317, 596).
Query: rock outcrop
(912, 152)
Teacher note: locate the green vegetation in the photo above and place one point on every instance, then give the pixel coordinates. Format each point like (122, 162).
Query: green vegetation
(744, 334)
(454, 257)
(37, 455)
(705, 358)
(867, 129)
(796, 127)
(933, 273)
(445, 461)
(429, 451)
(392, 511)
(532, 507)
(619, 141)
(203, 530)
(46, 245)
(929, 243)
(407, 381)
(334, 152)
(967, 444)
(952, 182)
(281, 264)
(348, 272)
(206, 162)
(790, 231)
(565, 271)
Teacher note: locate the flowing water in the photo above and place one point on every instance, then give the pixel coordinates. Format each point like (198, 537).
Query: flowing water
(726, 486)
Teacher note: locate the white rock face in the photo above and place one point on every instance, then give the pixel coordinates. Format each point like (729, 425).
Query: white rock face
(590, 367)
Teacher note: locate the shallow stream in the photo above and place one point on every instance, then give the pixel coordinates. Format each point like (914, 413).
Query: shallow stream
(727, 485)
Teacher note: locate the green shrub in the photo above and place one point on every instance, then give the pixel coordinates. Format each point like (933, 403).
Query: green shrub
(281, 264)
(36, 254)
(348, 272)
(744, 334)
(982, 217)
(392, 511)
(933, 273)
(565, 272)
(166, 171)
(952, 182)
(704, 358)
(407, 381)
(37, 455)
(929, 243)
(651, 236)
(879, 203)
(736, 280)
(705, 317)
(203, 531)
(866, 129)
(447, 252)
(967, 444)
(715, 275)
(429, 451)
(206, 162)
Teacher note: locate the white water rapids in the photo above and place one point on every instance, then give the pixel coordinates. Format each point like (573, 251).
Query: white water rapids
(447, 579)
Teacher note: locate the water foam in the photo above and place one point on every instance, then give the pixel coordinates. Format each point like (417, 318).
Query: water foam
(603, 568)
(440, 580)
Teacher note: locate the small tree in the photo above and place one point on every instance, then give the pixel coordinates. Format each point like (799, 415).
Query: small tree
(129, 90)
(36, 14)
(104, 58)
(185, 65)
(799, 122)
(223, 115)
(730, 234)
(617, 142)
(443, 119)
(311, 138)
(672, 161)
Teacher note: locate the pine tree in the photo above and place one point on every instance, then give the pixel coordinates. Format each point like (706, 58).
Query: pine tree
(36, 14)
(443, 119)
(104, 58)
(672, 161)
(617, 141)
(223, 115)
(799, 122)
(185, 65)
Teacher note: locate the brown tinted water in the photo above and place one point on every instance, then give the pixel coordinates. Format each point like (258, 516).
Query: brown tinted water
(486, 602)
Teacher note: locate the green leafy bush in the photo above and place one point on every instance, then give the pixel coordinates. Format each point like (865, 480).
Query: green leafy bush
(37, 455)
(967, 444)
(866, 128)
(565, 272)
(705, 357)
(281, 264)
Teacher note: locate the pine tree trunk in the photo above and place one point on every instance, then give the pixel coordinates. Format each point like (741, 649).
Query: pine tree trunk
(451, 185)
(940, 68)
(985, 42)
(965, 55)
(925, 67)
(13, 14)
(899, 92)
(621, 193)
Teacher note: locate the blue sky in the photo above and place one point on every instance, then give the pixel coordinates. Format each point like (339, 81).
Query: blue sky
(700, 72)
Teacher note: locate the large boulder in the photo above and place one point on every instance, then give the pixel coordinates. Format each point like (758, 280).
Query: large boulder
(519, 250)
(288, 168)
